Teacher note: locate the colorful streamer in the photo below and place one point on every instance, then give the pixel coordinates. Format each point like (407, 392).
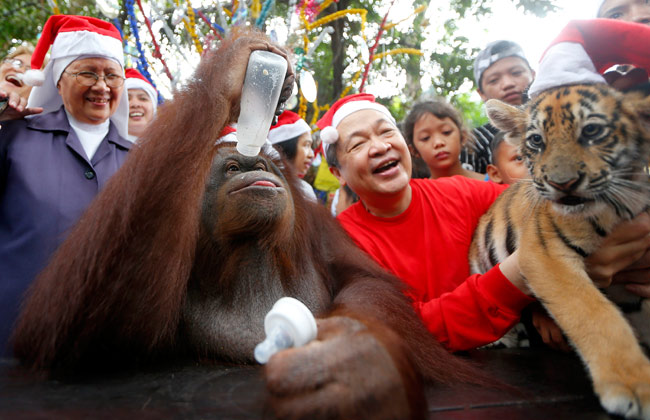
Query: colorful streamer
(374, 47)
(190, 26)
(54, 6)
(265, 11)
(141, 65)
(215, 28)
(157, 52)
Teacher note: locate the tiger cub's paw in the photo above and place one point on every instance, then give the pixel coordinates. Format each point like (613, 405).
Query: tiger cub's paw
(631, 399)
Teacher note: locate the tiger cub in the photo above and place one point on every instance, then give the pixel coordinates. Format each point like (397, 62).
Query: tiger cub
(586, 147)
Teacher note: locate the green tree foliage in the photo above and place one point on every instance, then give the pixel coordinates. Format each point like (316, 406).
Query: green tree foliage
(22, 20)
(453, 59)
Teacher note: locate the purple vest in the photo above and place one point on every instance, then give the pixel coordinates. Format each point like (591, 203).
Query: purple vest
(46, 182)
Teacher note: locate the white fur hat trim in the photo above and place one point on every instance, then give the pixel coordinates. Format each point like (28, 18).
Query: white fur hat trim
(135, 83)
(288, 131)
(564, 64)
(329, 135)
(354, 106)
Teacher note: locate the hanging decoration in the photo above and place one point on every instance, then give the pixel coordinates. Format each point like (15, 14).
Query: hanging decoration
(239, 14)
(256, 8)
(157, 52)
(215, 28)
(206, 26)
(308, 11)
(263, 13)
(374, 47)
(221, 13)
(190, 25)
(168, 30)
(109, 8)
(54, 7)
(141, 65)
(308, 86)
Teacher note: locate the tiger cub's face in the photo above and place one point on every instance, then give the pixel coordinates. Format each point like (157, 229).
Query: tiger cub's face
(585, 145)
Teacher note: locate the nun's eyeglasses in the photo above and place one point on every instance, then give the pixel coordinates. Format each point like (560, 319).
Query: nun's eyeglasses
(89, 78)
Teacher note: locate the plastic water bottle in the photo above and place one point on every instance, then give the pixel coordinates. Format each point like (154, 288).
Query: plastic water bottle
(262, 87)
(288, 324)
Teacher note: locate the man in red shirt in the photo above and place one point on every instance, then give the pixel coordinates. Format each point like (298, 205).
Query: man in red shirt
(420, 230)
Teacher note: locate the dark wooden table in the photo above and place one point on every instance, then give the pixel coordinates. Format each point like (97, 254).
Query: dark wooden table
(554, 386)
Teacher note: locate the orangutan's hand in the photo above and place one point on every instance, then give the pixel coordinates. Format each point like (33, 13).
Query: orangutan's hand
(347, 373)
(236, 52)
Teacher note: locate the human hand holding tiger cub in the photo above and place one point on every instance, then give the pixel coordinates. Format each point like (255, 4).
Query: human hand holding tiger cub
(624, 257)
(548, 330)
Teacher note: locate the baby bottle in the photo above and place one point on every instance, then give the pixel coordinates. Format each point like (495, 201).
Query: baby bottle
(259, 99)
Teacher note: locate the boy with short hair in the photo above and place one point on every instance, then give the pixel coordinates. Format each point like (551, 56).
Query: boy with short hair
(501, 71)
(507, 164)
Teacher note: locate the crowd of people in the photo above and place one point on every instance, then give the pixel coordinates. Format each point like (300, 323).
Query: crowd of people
(62, 139)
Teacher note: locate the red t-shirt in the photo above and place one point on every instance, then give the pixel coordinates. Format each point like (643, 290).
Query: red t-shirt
(427, 246)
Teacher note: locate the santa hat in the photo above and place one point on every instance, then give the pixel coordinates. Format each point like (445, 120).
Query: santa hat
(229, 135)
(341, 109)
(135, 80)
(72, 38)
(587, 48)
(289, 125)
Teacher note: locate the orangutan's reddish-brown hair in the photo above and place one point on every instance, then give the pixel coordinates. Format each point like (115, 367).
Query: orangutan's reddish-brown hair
(161, 251)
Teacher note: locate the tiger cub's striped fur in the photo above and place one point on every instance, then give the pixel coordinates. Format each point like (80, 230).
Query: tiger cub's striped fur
(586, 147)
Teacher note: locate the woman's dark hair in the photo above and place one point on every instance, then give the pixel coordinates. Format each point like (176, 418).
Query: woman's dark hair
(288, 148)
(438, 107)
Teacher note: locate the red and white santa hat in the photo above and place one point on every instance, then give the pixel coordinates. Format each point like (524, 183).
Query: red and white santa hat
(135, 80)
(587, 48)
(289, 125)
(229, 135)
(341, 109)
(72, 38)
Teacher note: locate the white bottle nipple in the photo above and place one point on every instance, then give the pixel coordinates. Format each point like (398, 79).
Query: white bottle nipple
(288, 324)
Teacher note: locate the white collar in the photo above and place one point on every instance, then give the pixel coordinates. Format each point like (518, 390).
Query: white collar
(90, 135)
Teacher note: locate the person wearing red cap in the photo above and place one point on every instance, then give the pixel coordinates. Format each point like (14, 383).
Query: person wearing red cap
(292, 137)
(638, 11)
(629, 10)
(53, 164)
(143, 102)
(585, 49)
(421, 229)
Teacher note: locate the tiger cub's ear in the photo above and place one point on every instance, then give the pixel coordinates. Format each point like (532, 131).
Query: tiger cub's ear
(506, 118)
